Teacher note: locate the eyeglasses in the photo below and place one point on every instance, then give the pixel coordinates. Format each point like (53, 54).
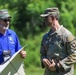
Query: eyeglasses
(6, 20)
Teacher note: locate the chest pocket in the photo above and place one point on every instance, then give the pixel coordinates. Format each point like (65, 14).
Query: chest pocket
(57, 44)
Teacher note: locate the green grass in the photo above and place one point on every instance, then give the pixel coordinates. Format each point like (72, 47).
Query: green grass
(34, 71)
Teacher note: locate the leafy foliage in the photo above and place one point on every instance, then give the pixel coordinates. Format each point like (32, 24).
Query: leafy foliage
(27, 23)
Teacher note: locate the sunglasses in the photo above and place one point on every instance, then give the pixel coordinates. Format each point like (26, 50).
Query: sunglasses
(6, 20)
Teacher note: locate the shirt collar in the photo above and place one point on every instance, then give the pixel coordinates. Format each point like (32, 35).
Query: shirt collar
(56, 32)
(7, 32)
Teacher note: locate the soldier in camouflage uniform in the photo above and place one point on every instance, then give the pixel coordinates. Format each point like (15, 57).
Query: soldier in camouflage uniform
(58, 46)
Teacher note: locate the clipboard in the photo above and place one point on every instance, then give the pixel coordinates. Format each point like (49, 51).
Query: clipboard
(14, 66)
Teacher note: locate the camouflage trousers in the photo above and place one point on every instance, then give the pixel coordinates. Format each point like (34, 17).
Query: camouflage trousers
(62, 72)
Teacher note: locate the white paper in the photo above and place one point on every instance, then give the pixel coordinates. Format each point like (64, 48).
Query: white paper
(13, 66)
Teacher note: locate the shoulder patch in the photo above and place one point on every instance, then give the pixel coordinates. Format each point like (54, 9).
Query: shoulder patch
(70, 38)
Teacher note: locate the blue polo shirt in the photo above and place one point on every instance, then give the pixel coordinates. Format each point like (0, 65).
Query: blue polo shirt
(9, 41)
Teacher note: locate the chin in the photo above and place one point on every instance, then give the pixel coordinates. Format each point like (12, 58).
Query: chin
(6, 27)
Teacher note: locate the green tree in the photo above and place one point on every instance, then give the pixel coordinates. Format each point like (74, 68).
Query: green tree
(27, 23)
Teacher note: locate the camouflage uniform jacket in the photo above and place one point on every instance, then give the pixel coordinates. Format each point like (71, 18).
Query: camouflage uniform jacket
(63, 44)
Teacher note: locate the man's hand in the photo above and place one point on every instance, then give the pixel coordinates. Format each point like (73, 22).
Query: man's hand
(49, 65)
(46, 62)
(23, 54)
(52, 66)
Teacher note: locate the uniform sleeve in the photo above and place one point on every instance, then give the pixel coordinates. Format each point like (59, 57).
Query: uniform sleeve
(67, 62)
(42, 53)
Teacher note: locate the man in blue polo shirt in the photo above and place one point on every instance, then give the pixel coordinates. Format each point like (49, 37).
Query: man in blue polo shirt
(9, 42)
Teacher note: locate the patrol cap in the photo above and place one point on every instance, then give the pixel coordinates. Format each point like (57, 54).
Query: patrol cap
(4, 14)
(50, 11)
